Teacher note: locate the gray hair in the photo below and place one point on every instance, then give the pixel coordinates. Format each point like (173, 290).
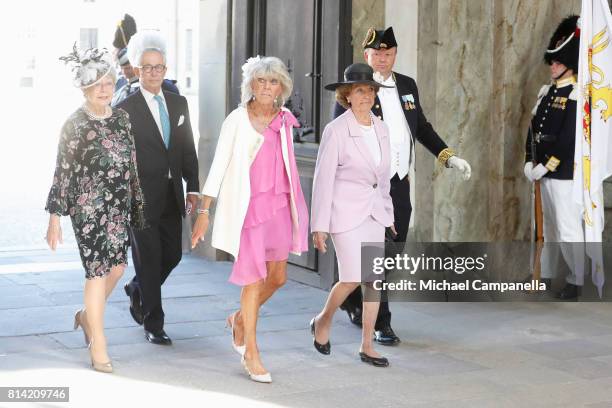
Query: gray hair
(265, 67)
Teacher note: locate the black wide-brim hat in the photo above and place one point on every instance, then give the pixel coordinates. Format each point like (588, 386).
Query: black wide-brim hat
(357, 74)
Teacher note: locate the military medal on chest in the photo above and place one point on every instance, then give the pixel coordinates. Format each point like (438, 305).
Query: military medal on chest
(408, 101)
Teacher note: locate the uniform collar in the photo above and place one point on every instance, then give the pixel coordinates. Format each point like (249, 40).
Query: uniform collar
(565, 82)
(389, 81)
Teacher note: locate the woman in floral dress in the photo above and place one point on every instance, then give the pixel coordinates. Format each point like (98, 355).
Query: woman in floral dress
(96, 183)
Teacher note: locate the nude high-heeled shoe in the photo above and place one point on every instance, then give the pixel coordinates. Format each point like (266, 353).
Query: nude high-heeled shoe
(98, 366)
(80, 321)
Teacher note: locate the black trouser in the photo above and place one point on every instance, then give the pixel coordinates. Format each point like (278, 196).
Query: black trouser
(156, 251)
(402, 210)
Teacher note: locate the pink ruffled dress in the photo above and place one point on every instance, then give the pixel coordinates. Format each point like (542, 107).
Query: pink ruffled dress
(267, 229)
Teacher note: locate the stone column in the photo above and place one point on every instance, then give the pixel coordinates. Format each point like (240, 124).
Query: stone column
(480, 66)
(213, 69)
(365, 14)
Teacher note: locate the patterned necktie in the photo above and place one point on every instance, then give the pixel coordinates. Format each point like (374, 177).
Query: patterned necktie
(165, 120)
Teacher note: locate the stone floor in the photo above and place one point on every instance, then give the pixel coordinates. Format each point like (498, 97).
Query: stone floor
(452, 354)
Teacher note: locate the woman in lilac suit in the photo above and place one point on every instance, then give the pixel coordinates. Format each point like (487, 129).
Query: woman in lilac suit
(351, 201)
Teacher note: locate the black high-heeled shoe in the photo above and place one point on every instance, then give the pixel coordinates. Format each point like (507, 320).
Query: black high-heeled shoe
(375, 361)
(321, 348)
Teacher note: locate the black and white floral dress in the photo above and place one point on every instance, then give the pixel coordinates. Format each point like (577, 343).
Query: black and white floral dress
(96, 183)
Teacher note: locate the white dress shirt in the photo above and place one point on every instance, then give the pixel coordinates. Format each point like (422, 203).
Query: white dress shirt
(370, 139)
(154, 106)
(393, 115)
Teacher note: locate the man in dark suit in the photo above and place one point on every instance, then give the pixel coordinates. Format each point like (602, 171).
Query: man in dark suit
(166, 156)
(399, 107)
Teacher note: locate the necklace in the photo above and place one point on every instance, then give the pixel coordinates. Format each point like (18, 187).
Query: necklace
(261, 122)
(107, 113)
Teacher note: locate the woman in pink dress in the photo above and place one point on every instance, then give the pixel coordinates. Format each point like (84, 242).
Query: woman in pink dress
(261, 214)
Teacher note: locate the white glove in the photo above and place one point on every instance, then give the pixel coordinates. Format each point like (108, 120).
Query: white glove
(461, 165)
(538, 172)
(527, 170)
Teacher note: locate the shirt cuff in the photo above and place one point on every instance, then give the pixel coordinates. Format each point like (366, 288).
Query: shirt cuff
(193, 193)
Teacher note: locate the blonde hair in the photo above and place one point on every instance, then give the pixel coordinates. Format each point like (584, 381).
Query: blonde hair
(268, 68)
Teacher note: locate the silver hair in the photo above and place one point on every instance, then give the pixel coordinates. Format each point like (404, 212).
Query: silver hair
(265, 67)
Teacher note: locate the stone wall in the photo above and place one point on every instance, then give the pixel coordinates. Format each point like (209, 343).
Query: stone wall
(480, 67)
(366, 14)
(213, 94)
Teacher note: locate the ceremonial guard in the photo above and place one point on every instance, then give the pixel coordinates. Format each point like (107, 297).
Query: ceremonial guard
(550, 159)
(397, 104)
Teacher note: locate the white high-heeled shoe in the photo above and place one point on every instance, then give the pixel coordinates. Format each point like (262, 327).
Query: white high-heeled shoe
(230, 323)
(262, 378)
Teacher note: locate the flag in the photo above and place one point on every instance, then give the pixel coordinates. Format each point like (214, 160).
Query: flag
(593, 154)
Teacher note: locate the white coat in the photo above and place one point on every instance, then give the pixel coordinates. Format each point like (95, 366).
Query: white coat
(229, 181)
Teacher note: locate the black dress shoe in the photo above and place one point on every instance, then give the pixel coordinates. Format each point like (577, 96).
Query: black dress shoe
(386, 336)
(568, 292)
(135, 305)
(321, 348)
(158, 338)
(354, 316)
(375, 361)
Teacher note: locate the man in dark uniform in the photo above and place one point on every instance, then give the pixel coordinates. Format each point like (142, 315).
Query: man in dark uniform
(400, 109)
(550, 158)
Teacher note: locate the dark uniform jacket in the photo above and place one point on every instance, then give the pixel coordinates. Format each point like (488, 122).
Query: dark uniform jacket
(553, 130)
(420, 128)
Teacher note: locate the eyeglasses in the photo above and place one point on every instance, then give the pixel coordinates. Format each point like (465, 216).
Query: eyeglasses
(159, 68)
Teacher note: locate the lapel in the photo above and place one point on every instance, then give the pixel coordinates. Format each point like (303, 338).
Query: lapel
(357, 136)
(147, 116)
(173, 114)
(403, 89)
(377, 109)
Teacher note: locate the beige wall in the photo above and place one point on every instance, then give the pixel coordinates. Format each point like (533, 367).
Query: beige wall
(213, 68)
(403, 16)
(366, 14)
